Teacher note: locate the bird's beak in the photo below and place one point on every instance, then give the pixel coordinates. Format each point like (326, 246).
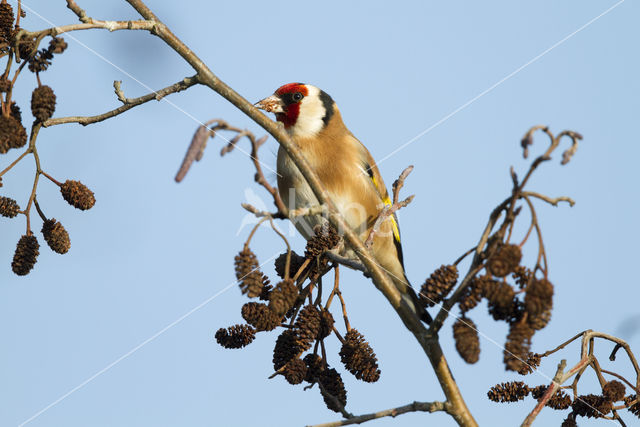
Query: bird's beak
(271, 104)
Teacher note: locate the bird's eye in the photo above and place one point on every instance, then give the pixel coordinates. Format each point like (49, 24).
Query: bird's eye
(297, 96)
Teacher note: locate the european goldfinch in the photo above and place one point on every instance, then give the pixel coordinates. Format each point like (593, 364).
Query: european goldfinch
(347, 171)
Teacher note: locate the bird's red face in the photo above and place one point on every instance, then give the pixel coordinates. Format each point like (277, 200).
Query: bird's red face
(285, 103)
(303, 109)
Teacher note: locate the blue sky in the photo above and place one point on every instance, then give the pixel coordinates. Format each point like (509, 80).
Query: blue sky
(153, 253)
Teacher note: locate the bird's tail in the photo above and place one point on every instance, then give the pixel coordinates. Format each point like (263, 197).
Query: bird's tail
(411, 298)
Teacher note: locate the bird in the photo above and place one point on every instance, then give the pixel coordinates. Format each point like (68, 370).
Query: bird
(347, 171)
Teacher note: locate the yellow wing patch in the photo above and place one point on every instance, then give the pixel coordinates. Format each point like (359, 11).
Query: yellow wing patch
(387, 202)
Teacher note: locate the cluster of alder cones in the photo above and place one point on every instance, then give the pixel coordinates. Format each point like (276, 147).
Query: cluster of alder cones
(524, 304)
(13, 135)
(290, 305)
(588, 405)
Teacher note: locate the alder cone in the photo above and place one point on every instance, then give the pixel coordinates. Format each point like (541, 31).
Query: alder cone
(26, 255)
(77, 195)
(505, 260)
(236, 336)
(56, 236)
(43, 103)
(467, 340)
(8, 207)
(6, 22)
(12, 134)
(438, 285)
(358, 357)
(333, 384)
(512, 391)
(295, 371)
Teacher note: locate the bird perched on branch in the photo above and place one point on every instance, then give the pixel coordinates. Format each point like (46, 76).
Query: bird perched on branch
(346, 170)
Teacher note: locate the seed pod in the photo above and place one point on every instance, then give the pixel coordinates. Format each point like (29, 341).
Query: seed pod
(307, 326)
(43, 103)
(358, 357)
(613, 391)
(286, 349)
(505, 260)
(6, 22)
(12, 134)
(57, 45)
(538, 297)
(77, 195)
(26, 255)
(56, 236)
(315, 366)
(260, 316)
(5, 85)
(633, 408)
(333, 385)
(326, 324)
(591, 406)
(508, 392)
(295, 371)
(283, 296)
(531, 364)
(516, 349)
(467, 341)
(438, 285)
(236, 336)
(294, 264)
(325, 237)
(250, 279)
(8, 207)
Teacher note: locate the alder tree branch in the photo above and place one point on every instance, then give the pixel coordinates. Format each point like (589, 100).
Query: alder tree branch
(393, 412)
(127, 103)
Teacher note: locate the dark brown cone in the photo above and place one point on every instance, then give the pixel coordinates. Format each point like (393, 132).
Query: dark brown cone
(530, 365)
(438, 285)
(540, 320)
(467, 341)
(43, 103)
(283, 296)
(591, 406)
(57, 45)
(538, 297)
(25, 48)
(358, 357)
(522, 275)
(326, 324)
(516, 349)
(77, 195)
(12, 134)
(6, 22)
(570, 421)
(15, 112)
(633, 408)
(26, 255)
(501, 298)
(260, 316)
(315, 366)
(332, 383)
(8, 207)
(56, 236)
(307, 326)
(236, 336)
(613, 391)
(294, 264)
(325, 237)
(286, 348)
(508, 392)
(40, 61)
(504, 260)
(560, 400)
(473, 294)
(5, 85)
(251, 280)
(295, 371)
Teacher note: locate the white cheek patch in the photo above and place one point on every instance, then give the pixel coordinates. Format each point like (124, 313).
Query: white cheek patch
(312, 112)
